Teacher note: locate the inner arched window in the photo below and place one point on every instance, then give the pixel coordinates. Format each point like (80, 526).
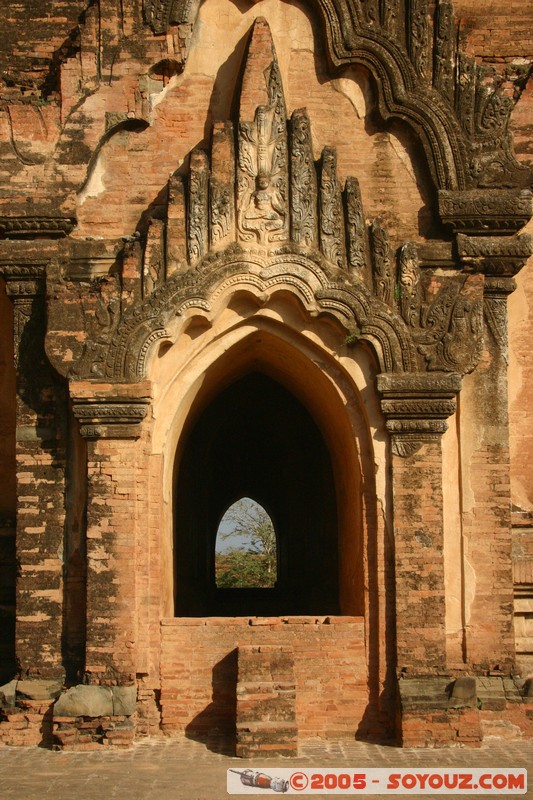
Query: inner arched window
(246, 548)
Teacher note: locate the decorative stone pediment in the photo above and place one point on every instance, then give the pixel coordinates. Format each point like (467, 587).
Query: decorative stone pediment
(256, 213)
(259, 211)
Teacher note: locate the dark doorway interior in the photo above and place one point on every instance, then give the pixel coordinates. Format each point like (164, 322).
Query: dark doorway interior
(256, 439)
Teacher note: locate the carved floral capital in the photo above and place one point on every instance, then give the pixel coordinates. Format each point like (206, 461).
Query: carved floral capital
(416, 407)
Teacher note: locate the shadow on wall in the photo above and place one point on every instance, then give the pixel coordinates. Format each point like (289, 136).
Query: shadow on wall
(215, 726)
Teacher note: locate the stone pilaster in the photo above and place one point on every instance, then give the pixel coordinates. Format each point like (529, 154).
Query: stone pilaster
(110, 420)
(416, 407)
(41, 465)
(485, 468)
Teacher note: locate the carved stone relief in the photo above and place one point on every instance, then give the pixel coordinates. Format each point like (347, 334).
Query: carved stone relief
(459, 107)
(445, 315)
(331, 213)
(262, 165)
(258, 204)
(418, 35)
(303, 181)
(382, 260)
(355, 226)
(24, 284)
(112, 419)
(444, 51)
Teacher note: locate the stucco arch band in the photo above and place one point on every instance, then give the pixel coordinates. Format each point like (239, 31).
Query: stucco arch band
(277, 339)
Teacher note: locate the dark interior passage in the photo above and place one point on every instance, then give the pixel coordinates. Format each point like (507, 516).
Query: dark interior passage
(256, 439)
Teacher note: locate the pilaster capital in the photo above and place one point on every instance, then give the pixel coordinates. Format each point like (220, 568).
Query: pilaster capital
(480, 211)
(110, 412)
(494, 256)
(23, 281)
(416, 406)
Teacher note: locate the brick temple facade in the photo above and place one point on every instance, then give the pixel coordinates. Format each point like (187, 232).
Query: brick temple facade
(273, 250)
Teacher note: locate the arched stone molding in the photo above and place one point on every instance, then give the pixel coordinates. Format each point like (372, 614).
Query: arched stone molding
(361, 315)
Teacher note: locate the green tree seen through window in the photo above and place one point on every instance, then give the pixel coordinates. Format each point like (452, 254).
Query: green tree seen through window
(246, 555)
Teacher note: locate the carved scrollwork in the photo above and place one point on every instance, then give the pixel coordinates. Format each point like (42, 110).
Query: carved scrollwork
(418, 35)
(331, 213)
(409, 284)
(382, 261)
(198, 194)
(494, 111)
(444, 53)
(303, 181)
(222, 186)
(154, 257)
(355, 226)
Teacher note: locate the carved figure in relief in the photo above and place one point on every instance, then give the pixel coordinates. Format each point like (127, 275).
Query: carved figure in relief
(263, 212)
(100, 330)
(461, 346)
(266, 213)
(263, 166)
(448, 328)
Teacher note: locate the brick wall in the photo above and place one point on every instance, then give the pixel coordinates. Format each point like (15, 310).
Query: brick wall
(8, 565)
(199, 671)
(418, 524)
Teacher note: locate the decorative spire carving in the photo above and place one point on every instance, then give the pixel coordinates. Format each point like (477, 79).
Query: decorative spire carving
(303, 181)
(260, 188)
(331, 214)
(262, 166)
(382, 262)
(418, 35)
(355, 226)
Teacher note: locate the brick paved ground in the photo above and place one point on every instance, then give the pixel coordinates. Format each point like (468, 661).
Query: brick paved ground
(186, 770)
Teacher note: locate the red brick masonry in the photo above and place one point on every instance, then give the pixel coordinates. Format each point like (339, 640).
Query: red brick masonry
(199, 671)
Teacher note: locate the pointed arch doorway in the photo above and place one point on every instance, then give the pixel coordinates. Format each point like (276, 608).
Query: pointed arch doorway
(267, 424)
(256, 439)
(275, 416)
